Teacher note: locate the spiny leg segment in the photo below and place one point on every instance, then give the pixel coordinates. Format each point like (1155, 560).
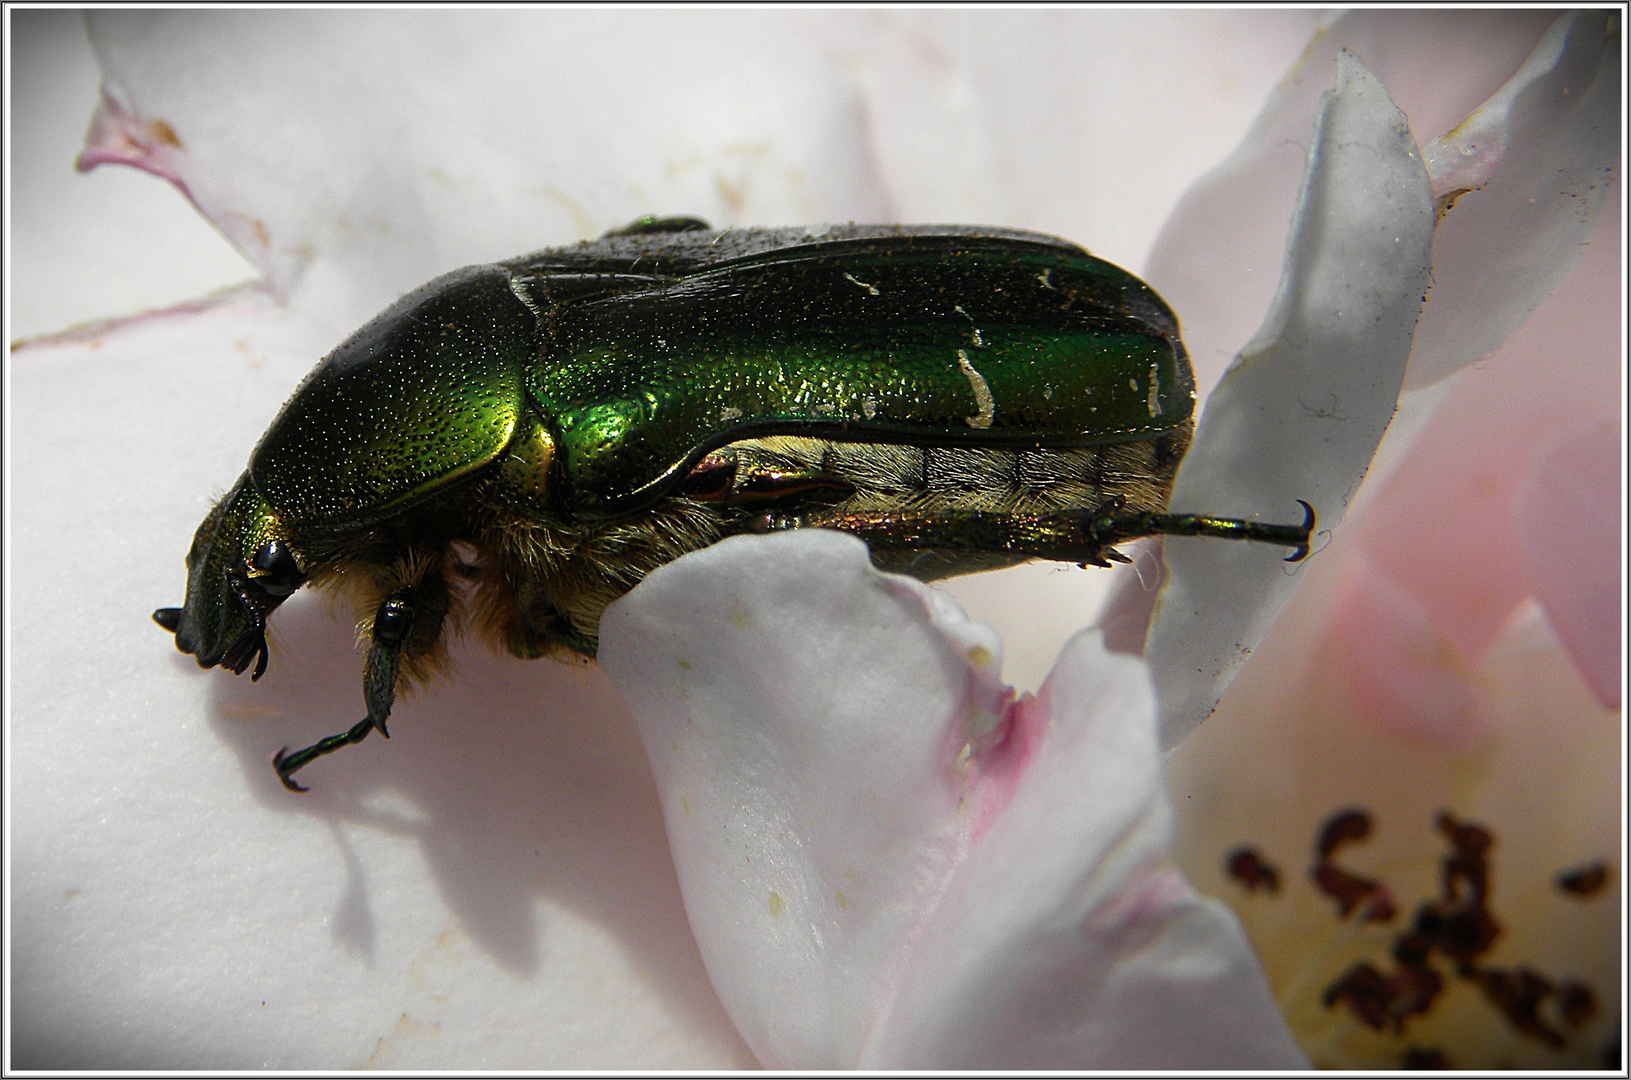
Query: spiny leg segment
(1085, 537)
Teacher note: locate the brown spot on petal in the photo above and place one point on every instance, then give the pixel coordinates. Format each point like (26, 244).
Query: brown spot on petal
(165, 134)
(1461, 934)
(1342, 828)
(1352, 891)
(1467, 838)
(1587, 880)
(1366, 993)
(1445, 202)
(1424, 1057)
(1385, 1001)
(1415, 986)
(1576, 1002)
(1249, 868)
(1518, 994)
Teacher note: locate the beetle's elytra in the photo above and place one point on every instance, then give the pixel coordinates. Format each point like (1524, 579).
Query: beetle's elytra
(549, 430)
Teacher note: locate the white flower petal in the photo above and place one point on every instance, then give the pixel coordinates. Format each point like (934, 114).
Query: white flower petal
(354, 155)
(489, 889)
(1527, 174)
(865, 890)
(804, 718)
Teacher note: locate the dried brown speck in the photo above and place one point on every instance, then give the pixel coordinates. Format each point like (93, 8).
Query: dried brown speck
(1585, 880)
(1518, 994)
(1462, 934)
(1424, 1057)
(1249, 868)
(1366, 993)
(1576, 1002)
(162, 132)
(1342, 828)
(1351, 891)
(1467, 838)
(1385, 1001)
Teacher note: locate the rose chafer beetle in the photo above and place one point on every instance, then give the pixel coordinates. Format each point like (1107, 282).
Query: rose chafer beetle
(517, 445)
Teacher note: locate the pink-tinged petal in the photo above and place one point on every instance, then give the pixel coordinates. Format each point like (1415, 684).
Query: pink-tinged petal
(117, 136)
(885, 862)
(354, 155)
(1439, 524)
(1566, 513)
(1403, 673)
(1068, 939)
(1300, 413)
(1522, 180)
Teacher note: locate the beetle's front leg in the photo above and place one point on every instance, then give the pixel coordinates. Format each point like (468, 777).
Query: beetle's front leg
(393, 625)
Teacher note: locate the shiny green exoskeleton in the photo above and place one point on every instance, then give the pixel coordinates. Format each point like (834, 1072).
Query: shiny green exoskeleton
(519, 444)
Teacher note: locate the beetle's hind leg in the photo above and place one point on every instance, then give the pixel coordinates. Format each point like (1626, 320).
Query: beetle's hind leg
(403, 623)
(1086, 537)
(1113, 527)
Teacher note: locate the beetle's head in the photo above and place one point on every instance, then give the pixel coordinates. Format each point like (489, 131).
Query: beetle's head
(240, 568)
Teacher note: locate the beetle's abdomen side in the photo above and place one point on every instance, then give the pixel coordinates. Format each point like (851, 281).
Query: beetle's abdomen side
(935, 341)
(560, 577)
(427, 392)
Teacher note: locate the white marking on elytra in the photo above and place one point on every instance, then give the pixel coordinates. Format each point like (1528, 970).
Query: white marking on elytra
(729, 413)
(1046, 278)
(869, 407)
(982, 394)
(873, 289)
(1155, 391)
(521, 294)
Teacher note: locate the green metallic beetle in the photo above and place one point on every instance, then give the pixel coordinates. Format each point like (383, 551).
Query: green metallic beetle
(517, 445)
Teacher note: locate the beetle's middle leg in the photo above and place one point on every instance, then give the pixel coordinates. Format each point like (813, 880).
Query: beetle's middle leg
(406, 624)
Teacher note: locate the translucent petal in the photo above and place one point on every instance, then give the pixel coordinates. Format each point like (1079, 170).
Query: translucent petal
(1522, 181)
(1218, 258)
(1300, 413)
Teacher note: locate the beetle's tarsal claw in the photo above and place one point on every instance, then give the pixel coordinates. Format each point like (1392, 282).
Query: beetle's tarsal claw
(261, 657)
(168, 617)
(1301, 552)
(288, 764)
(284, 770)
(1115, 556)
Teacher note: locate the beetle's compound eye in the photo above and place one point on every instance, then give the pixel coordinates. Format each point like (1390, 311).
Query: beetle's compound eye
(273, 568)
